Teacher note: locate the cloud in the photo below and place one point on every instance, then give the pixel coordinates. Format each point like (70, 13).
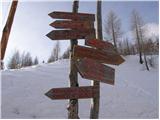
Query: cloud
(151, 31)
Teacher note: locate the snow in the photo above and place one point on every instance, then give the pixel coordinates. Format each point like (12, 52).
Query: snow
(134, 95)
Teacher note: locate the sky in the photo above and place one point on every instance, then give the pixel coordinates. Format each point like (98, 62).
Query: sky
(31, 22)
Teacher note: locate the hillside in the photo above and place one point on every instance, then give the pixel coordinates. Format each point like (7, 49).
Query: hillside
(134, 95)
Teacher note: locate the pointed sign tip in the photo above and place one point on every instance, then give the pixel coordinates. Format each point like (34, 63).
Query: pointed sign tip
(49, 94)
(49, 35)
(51, 24)
(122, 59)
(51, 14)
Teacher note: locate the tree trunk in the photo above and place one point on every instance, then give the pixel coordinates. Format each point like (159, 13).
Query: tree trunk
(144, 53)
(128, 49)
(73, 103)
(94, 113)
(114, 38)
(139, 45)
(145, 60)
(7, 29)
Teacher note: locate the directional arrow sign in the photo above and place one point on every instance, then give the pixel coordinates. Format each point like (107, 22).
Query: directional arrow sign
(99, 55)
(90, 69)
(79, 25)
(69, 34)
(72, 92)
(101, 45)
(73, 16)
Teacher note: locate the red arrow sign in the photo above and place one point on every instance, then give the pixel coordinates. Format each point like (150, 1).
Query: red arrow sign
(73, 16)
(101, 45)
(99, 55)
(90, 69)
(69, 34)
(72, 92)
(79, 25)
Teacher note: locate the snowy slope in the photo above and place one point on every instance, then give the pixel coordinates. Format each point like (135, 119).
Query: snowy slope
(134, 95)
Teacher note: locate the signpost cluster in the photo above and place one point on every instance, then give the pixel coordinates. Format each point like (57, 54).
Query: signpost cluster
(90, 60)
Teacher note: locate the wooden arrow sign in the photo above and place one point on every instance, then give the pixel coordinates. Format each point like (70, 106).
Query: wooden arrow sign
(73, 16)
(99, 55)
(79, 25)
(72, 92)
(69, 34)
(101, 45)
(90, 69)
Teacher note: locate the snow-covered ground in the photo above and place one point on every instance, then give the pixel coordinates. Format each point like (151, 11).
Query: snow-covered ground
(134, 95)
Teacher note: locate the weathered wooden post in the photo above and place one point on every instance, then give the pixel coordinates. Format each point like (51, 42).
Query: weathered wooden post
(94, 113)
(7, 29)
(73, 103)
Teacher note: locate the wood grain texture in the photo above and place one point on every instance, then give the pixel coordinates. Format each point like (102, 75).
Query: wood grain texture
(69, 34)
(78, 25)
(73, 16)
(98, 55)
(72, 92)
(7, 29)
(92, 70)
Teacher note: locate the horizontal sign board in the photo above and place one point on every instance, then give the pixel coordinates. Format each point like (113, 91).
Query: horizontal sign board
(99, 55)
(73, 16)
(90, 69)
(72, 92)
(79, 25)
(69, 34)
(102, 45)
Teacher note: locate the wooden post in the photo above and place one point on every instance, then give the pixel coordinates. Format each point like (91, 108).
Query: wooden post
(94, 113)
(7, 29)
(73, 103)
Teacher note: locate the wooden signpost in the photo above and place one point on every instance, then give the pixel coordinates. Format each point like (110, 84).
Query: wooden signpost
(72, 16)
(7, 30)
(90, 69)
(101, 45)
(77, 25)
(69, 34)
(72, 92)
(98, 55)
(88, 61)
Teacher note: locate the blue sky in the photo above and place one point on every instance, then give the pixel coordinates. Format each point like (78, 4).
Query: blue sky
(31, 22)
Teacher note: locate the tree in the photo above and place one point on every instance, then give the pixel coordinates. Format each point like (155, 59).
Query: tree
(52, 56)
(136, 28)
(73, 75)
(35, 62)
(55, 53)
(95, 102)
(15, 61)
(143, 49)
(23, 59)
(27, 60)
(128, 46)
(66, 54)
(120, 48)
(113, 27)
(133, 52)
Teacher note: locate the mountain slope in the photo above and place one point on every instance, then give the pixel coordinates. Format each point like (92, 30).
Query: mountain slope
(134, 95)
